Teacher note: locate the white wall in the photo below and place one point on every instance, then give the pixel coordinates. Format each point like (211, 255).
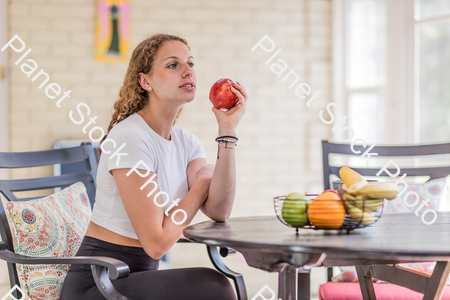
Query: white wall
(4, 115)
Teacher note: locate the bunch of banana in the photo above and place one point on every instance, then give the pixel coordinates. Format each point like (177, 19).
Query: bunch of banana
(364, 218)
(363, 203)
(361, 197)
(350, 177)
(375, 190)
(358, 187)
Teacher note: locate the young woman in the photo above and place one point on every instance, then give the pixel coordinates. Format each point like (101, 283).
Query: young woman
(127, 222)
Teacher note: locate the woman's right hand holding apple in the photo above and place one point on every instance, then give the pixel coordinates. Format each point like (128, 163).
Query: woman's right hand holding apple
(231, 117)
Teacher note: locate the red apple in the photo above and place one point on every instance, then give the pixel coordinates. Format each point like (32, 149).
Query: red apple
(221, 95)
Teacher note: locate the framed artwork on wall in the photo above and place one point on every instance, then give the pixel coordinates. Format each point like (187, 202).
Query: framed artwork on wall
(113, 30)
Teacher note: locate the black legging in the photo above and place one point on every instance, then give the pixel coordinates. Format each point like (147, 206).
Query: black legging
(144, 281)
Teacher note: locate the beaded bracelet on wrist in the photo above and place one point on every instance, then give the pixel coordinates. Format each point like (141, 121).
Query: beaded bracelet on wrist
(226, 146)
(223, 139)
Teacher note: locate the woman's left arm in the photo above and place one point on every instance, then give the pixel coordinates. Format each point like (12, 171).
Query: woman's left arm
(222, 189)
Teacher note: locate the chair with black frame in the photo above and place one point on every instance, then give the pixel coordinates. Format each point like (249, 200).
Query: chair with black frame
(104, 269)
(415, 151)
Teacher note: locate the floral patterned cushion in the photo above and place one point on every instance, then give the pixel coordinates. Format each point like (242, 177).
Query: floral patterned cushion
(435, 190)
(53, 226)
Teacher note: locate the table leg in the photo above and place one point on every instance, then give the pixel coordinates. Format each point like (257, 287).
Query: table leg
(304, 285)
(365, 282)
(436, 285)
(287, 283)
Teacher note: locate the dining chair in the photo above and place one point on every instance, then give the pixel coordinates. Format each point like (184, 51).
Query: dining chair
(413, 151)
(104, 269)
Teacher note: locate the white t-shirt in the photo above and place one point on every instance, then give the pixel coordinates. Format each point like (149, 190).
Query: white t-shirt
(168, 159)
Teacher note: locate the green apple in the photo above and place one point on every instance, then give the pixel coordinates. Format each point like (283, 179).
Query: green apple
(294, 210)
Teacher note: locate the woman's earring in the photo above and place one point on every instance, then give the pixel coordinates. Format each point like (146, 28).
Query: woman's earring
(149, 88)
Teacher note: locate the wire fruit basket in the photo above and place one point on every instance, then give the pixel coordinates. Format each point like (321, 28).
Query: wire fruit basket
(359, 213)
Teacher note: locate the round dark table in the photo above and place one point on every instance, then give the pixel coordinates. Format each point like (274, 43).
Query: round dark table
(269, 245)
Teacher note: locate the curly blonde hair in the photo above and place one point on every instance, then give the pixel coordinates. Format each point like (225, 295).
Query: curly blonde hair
(132, 97)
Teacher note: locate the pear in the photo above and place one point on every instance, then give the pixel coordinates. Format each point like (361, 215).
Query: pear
(295, 196)
(294, 210)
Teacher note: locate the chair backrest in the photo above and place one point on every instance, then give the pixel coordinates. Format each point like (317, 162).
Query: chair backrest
(387, 151)
(12, 160)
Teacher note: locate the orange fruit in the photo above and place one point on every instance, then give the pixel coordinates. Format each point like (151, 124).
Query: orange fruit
(329, 195)
(327, 211)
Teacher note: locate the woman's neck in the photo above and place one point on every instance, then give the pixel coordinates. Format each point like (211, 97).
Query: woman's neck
(159, 118)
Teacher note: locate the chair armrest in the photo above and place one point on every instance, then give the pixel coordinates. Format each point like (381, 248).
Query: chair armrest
(220, 266)
(116, 268)
(226, 251)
